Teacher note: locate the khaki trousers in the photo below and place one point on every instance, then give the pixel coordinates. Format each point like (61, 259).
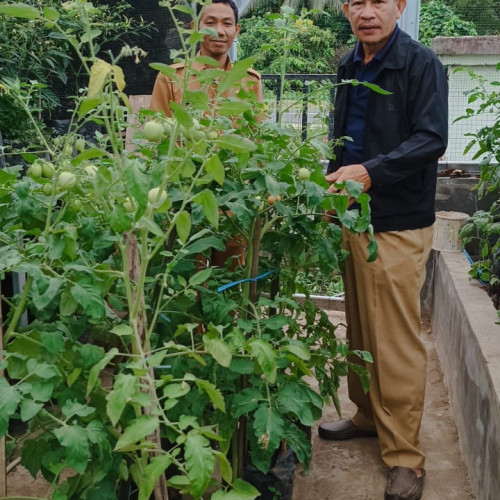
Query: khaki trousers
(383, 317)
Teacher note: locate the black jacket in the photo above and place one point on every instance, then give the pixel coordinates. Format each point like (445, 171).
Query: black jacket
(406, 133)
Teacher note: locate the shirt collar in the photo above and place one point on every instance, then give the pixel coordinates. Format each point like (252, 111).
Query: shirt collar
(379, 56)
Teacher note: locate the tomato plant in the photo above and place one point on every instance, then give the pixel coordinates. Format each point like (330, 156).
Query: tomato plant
(143, 361)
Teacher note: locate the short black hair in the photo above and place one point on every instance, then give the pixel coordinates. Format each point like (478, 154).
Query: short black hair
(231, 4)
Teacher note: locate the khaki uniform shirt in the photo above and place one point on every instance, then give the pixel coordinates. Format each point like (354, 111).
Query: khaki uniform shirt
(166, 90)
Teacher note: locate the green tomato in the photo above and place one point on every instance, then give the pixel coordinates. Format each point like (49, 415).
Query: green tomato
(48, 170)
(153, 131)
(75, 205)
(68, 150)
(168, 125)
(212, 135)
(90, 170)
(194, 133)
(80, 144)
(154, 199)
(304, 174)
(128, 206)
(36, 170)
(66, 180)
(47, 189)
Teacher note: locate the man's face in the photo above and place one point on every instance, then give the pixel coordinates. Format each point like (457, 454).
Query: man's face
(373, 21)
(220, 17)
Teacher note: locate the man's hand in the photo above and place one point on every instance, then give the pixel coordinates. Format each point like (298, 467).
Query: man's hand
(355, 172)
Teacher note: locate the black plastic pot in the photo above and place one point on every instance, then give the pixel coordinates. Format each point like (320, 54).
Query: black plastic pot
(277, 484)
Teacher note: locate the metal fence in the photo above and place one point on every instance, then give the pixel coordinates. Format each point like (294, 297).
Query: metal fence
(301, 112)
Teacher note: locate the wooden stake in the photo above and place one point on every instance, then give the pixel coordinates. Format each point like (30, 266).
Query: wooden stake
(160, 491)
(3, 456)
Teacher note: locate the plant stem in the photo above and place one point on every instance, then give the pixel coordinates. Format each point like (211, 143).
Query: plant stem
(20, 308)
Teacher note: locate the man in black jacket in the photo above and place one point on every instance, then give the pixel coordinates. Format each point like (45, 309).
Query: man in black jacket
(397, 140)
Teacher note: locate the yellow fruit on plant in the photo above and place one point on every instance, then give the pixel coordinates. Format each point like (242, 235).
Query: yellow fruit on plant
(273, 199)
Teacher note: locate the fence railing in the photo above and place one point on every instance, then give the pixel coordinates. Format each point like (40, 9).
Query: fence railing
(306, 80)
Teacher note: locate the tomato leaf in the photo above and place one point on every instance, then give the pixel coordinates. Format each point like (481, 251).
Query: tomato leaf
(74, 439)
(206, 199)
(72, 408)
(213, 393)
(183, 225)
(215, 168)
(20, 10)
(119, 220)
(236, 74)
(98, 367)
(156, 467)
(246, 401)
(219, 350)
(50, 13)
(200, 462)
(137, 181)
(235, 143)
(241, 491)
(124, 388)
(140, 428)
(266, 358)
(9, 400)
(45, 289)
(90, 299)
(99, 73)
(200, 277)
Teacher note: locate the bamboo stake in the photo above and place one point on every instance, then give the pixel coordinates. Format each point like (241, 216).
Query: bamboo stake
(134, 260)
(3, 456)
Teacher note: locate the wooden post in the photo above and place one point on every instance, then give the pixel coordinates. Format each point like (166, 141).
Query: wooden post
(3, 456)
(160, 491)
(447, 231)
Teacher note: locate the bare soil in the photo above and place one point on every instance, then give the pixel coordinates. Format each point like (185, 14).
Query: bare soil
(353, 470)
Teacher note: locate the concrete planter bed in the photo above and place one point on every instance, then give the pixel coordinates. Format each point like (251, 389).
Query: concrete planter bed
(467, 340)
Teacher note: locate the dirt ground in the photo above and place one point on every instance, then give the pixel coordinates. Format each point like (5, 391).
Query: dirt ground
(353, 470)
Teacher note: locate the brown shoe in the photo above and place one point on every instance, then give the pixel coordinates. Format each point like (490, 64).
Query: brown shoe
(403, 484)
(343, 429)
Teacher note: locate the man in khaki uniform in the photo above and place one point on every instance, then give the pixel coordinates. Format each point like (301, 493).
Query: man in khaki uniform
(221, 16)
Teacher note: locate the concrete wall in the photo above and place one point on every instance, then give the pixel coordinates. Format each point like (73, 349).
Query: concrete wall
(468, 344)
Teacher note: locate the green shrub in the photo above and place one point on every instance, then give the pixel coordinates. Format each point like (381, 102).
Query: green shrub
(437, 19)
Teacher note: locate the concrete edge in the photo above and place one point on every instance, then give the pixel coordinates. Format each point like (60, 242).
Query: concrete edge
(324, 302)
(467, 340)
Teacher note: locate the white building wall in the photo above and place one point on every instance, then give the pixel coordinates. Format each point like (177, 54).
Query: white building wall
(480, 55)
